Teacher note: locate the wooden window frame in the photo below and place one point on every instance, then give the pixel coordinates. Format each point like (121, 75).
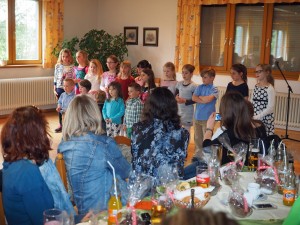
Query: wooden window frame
(12, 38)
(265, 42)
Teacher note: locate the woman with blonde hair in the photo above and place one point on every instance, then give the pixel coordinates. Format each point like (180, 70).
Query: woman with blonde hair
(86, 152)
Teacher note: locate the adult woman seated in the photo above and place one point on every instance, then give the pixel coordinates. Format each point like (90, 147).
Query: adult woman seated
(236, 121)
(86, 153)
(159, 139)
(25, 144)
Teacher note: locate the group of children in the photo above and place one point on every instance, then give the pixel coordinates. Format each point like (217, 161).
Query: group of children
(125, 95)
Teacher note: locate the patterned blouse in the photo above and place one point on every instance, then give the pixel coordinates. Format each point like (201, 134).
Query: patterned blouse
(158, 142)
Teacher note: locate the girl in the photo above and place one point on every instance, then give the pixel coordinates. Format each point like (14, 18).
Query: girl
(94, 75)
(113, 109)
(263, 98)
(144, 64)
(109, 76)
(125, 78)
(169, 79)
(64, 68)
(184, 92)
(239, 80)
(81, 69)
(147, 76)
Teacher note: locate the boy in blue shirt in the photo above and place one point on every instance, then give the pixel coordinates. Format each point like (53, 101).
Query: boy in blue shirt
(205, 97)
(65, 98)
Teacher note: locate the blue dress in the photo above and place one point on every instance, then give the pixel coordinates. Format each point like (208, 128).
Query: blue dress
(25, 194)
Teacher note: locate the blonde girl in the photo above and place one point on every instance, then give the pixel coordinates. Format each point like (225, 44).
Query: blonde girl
(109, 76)
(94, 75)
(169, 78)
(64, 68)
(82, 68)
(113, 109)
(263, 98)
(125, 78)
(238, 74)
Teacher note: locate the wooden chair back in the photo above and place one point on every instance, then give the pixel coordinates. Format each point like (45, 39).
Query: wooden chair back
(2, 215)
(61, 168)
(123, 140)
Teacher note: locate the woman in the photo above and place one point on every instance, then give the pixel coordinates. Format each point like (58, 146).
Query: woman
(86, 153)
(159, 139)
(25, 144)
(236, 121)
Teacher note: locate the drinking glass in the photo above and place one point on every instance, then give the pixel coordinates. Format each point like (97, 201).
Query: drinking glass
(254, 150)
(202, 176)
(53, 217)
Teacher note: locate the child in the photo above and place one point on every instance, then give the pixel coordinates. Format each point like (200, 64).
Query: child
(85, 87)
(125, 78)
(65, 98)
(239, 80)
(147, 76)
(113, 109)
(94, 75)
(169, 79)
(81, 69)
(184, 92)
(143, 64)
(109, 76)
(205, 97)
(64, 68)
(263, 98)
(133, 109)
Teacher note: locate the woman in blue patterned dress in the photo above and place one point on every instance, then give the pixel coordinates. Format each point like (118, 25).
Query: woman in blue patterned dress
(159, 139)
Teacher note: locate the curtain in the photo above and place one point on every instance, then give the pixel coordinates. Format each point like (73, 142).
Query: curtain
(187, 34)
(53, 29)
(188, 28)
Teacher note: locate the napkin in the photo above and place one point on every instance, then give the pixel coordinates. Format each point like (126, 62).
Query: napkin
(199, 193)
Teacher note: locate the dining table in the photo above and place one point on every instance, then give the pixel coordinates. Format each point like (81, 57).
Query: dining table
(218, 203)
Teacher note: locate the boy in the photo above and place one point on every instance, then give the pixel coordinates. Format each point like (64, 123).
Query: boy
(84, 86)
(65, 98)
(133, 109)
(205, 97)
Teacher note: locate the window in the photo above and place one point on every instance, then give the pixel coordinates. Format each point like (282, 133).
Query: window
(251, 34)
(20, 31)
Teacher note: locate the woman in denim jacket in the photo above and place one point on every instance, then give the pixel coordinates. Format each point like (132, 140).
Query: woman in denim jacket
(86, 153)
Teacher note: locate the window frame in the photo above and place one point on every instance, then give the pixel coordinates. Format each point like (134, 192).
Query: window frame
(266, 41)
(12, 38)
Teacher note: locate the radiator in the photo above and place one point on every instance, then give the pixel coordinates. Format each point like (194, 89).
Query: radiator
(36, 91)
(280, 109)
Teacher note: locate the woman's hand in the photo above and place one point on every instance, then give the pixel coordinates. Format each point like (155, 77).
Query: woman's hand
(211, 121)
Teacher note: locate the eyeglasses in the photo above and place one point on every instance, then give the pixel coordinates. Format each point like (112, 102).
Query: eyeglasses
(258, 71)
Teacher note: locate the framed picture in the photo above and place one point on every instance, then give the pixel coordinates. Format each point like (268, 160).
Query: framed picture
(150, 36)
(131, 35)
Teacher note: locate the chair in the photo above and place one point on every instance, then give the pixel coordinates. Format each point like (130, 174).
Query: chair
(61, 168)
(123, 140)
(2, 215)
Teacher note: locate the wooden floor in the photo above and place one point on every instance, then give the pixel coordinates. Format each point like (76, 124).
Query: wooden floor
(292, 146)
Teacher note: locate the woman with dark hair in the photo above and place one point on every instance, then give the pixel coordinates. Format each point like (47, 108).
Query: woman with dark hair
(159, 139)
(25, 143)
(236, 121)
(143, 64)
(147, 76)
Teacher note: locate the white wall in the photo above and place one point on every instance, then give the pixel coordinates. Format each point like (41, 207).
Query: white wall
(82, 16)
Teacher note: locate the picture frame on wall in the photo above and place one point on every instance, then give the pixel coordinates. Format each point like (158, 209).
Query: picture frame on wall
(131, 35)
(150, 36)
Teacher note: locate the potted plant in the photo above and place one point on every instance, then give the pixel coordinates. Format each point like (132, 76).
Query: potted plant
(98, 44)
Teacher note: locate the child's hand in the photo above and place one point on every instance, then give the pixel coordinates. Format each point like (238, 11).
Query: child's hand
(108, 120)
(58, 108)
(180, 100)
(124, 127)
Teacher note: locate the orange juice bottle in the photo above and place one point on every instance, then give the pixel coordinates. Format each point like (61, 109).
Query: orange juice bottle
(114, 207)
(289, 190)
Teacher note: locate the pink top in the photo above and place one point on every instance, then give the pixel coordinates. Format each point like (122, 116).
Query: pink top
(106, 79)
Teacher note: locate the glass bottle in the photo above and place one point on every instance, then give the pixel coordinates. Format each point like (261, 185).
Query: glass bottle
(289, 189)
(281, 164)
(114, 207)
